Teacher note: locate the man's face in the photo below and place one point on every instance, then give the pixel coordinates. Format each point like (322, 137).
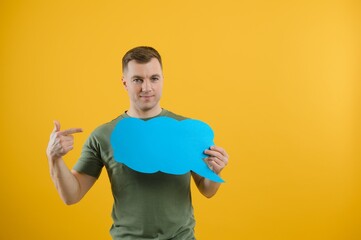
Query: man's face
(144, 83)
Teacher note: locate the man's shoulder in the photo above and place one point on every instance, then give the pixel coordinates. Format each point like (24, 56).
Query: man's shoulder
(105, 129)
(167, 113)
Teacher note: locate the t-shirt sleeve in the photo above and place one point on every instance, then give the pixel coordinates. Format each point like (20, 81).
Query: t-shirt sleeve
(90, 161)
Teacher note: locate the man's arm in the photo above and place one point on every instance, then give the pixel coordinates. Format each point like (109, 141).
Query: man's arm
(70, 184)
(217, 159)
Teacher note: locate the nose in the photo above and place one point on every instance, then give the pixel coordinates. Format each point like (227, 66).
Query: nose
(146, 86)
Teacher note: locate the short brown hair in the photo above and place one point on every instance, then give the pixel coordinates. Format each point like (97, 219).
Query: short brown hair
(142, 54)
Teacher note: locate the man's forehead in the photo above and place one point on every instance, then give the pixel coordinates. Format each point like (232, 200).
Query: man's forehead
(150, 68)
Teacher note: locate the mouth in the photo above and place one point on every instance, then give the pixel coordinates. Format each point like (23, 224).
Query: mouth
(146, 96)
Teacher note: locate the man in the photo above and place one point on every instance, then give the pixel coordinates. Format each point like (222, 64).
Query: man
(146, 206)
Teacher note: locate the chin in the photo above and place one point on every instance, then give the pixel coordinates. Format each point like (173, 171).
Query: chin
(146, 108)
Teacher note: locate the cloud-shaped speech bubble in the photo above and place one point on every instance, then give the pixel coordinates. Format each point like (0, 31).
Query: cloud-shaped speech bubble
(163, 144)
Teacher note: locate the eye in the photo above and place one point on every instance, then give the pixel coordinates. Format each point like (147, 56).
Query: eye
(155, 79)
(138, 80)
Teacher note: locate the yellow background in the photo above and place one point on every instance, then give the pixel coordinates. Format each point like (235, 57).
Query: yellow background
(279, 82)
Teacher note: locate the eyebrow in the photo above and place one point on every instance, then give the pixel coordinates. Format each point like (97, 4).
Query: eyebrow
(137, 76)
(155, 75)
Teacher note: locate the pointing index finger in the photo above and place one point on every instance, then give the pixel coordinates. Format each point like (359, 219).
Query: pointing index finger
(71, 131)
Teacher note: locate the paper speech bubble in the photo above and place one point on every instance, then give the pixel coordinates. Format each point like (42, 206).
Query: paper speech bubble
(163, 144)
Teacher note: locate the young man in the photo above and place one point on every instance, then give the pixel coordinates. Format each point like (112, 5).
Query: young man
(146, 206)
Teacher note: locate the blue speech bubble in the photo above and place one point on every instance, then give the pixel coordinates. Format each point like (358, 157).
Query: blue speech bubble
(163, 144)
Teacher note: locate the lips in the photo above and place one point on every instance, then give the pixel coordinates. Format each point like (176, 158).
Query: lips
(146, 96)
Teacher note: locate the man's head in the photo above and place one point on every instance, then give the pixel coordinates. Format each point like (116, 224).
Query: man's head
(141, 54)
(143, 80)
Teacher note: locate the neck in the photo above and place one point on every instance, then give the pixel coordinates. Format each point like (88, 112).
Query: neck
(137, 113)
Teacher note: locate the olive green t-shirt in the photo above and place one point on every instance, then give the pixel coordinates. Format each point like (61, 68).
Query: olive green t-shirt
(146, 206)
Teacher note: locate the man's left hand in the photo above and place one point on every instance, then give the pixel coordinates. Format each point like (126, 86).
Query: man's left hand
(217, 158)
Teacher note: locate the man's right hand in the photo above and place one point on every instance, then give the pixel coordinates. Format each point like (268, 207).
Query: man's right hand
(61, 142)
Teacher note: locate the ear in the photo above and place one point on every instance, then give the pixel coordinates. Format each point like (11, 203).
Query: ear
(124, 82)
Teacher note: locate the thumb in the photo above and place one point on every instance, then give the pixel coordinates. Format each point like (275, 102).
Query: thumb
(56, 126)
